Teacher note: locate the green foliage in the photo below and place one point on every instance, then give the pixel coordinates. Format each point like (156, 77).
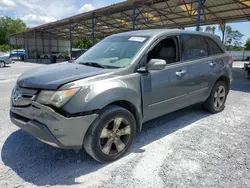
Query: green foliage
(232, 37)
(210, 29)
(9, 26)
(234, 48)
(4, 48)
(247, 45)
(84, 43)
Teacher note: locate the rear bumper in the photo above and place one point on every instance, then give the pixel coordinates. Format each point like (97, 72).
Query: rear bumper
(50, 127)
(8, 61)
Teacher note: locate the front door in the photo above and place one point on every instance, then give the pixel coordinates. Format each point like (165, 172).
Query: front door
(164, 91)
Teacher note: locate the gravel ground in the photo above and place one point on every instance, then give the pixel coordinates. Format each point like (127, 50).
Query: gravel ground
(188, 148)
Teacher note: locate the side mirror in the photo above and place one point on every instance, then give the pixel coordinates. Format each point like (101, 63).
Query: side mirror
(156, 64)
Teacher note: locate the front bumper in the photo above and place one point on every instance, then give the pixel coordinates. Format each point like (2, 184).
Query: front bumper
(50, 127)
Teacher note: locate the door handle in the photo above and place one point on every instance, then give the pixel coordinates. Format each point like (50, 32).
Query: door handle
(212, 64)
(180, 73)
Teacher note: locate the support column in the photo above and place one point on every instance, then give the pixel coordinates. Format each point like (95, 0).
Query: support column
(49, 42)
(57, 45)
(16, 48)
(27, 44)
(24, 46)
(35, 44)
(223, 28)
(70, 40)
(93, 30)
(43, 43)
(133, 16)
(198, 15)
(9, 44)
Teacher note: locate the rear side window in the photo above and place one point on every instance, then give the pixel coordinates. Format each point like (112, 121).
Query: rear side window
(215, 49)
(194, 47)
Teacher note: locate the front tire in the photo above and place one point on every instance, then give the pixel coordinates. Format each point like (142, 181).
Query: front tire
(216, 101)
(111, 135)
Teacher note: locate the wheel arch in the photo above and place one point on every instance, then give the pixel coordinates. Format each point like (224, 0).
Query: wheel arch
(226, 80)
(132, 109)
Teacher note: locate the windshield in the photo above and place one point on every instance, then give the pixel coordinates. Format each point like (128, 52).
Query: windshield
(113, 52)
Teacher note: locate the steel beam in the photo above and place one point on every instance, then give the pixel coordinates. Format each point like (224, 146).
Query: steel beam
(134, 18)
(70, 40)
(198, 15)
(93, 29)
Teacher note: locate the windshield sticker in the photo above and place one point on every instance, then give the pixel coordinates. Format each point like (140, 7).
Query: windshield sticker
(137, 39)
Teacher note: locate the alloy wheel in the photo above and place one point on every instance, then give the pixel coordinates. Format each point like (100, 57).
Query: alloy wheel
(115, 136)
(219, 97)
(1, 64)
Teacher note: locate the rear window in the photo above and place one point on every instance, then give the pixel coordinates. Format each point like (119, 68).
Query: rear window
(215, 49)
(194, 47)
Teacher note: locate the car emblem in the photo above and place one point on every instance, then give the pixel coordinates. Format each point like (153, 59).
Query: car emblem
(16, 95)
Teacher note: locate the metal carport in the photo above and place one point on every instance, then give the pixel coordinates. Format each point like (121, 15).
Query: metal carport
(137, 15)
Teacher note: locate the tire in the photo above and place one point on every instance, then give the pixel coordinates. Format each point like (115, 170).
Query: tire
(210, 103)
(45, 57)
(2, 64)
(95, 145)
(60, 57)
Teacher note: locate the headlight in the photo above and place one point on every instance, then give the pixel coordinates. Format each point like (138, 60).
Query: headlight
(56, 98)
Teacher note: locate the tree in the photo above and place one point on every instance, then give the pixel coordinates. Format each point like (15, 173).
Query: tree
(247, 45)
(9, 26)
(232, 38)
(210, 29)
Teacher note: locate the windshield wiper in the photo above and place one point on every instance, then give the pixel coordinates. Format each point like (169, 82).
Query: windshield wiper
(93, 64)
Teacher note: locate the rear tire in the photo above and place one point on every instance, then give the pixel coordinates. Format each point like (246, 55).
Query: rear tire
(217, 98)
(2, 64)
(111, 135)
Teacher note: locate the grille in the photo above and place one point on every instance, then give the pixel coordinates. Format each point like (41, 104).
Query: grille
(22, 96)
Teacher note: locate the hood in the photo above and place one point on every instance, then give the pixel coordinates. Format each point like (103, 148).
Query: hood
(53, 76)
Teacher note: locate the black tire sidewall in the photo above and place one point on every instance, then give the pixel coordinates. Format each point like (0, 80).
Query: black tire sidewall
(94, 132)
(209, 104)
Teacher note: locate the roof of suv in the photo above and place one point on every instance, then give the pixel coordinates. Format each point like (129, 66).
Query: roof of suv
(153, 32)
(160, 32)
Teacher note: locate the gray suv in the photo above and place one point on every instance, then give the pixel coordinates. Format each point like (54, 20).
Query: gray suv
(101, 101)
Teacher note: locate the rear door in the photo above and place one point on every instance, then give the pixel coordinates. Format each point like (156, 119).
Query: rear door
(200, 66)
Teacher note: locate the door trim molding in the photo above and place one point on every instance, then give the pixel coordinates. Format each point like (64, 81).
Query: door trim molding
(173, 98)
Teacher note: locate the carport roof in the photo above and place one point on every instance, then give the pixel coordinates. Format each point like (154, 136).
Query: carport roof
(148, 14)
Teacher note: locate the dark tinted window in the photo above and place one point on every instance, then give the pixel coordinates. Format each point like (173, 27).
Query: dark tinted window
(215, 49)
(194, 47)
(166, 50)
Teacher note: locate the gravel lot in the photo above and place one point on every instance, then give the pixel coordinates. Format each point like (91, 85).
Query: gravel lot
(188, 148)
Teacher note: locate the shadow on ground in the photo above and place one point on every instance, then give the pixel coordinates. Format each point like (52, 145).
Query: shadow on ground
(41, 164)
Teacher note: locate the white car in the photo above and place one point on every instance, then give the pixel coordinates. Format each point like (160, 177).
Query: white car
(5, 59)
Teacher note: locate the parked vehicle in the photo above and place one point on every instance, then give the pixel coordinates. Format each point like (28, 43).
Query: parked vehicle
(5, 59)
(18, 53)
(57, 54)
(75, 53)
(100, 101)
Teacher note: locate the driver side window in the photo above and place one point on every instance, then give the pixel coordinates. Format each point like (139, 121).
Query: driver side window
(166, 49)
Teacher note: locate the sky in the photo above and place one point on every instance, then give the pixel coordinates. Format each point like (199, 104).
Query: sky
(37, 12)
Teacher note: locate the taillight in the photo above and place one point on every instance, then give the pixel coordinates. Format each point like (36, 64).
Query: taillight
(231, 60)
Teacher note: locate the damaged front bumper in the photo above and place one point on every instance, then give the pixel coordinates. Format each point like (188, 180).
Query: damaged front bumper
(50, 127)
